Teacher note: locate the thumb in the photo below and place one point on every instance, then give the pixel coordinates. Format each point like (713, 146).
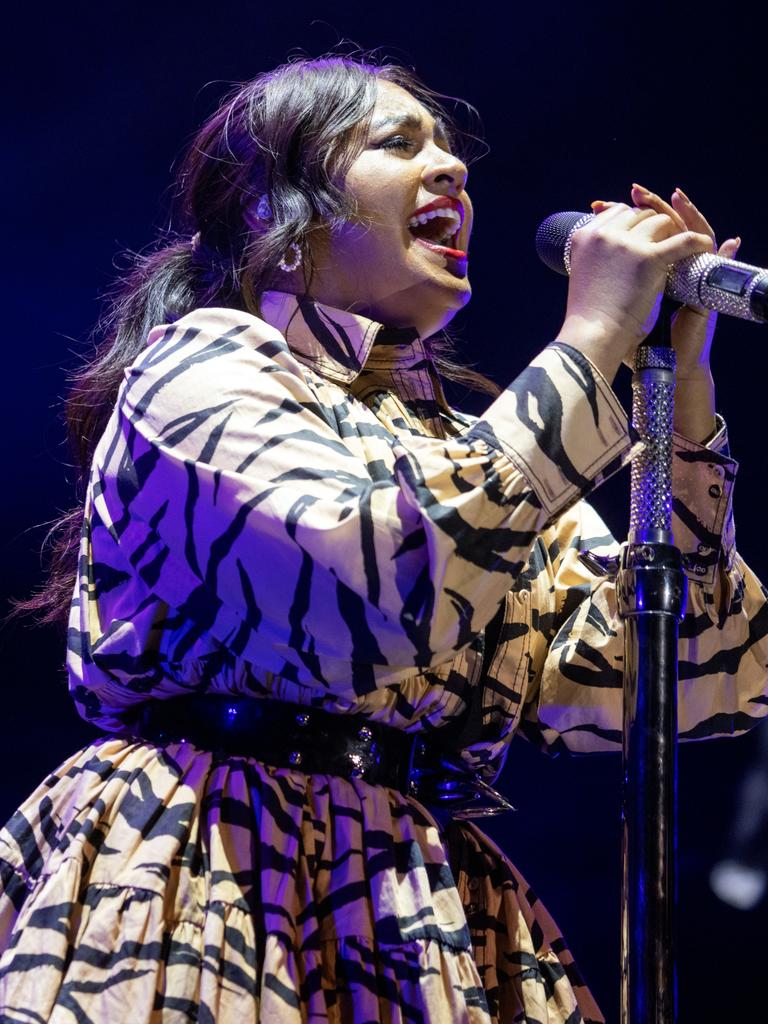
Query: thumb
(729, 248)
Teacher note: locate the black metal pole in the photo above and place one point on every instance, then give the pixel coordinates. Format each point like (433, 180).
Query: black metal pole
(651, 597)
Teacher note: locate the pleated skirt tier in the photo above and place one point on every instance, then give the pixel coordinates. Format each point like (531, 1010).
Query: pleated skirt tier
(165, 885)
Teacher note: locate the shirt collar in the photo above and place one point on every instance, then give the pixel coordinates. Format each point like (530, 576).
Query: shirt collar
(335, 342)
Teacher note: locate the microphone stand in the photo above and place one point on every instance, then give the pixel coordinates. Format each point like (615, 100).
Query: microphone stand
(651, 588)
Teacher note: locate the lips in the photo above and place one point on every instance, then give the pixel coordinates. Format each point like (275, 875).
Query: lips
(427, 224)
(444, 250)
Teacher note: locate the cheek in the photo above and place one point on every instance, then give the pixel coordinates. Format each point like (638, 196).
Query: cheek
(362, 247)
(381, 198)
(380, 239)
(357, 244)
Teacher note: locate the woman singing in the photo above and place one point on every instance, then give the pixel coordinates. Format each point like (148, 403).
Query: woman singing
(314, 603)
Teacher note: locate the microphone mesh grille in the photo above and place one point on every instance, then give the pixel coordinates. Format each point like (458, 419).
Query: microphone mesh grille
(552, 237)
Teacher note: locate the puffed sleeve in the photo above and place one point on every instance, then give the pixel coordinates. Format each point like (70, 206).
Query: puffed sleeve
(243, 501)
(723, 645)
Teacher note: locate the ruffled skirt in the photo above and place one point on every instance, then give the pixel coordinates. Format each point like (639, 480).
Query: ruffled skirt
(163, 885)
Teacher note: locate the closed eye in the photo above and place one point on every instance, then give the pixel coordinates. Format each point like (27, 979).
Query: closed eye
(397, 142)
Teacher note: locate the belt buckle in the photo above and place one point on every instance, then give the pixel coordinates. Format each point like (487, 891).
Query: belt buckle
(441, 778)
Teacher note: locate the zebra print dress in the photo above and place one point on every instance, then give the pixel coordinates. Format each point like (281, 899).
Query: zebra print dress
(286, 506)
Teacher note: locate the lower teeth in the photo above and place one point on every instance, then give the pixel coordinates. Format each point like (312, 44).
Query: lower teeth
(448, 243)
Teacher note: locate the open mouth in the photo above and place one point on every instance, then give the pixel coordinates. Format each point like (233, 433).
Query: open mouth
(437, 226)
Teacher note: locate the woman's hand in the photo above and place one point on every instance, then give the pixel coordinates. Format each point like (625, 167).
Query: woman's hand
(693, 327)
(619, 266)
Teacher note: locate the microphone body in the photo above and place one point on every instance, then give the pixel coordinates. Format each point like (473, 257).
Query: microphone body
(704, 279)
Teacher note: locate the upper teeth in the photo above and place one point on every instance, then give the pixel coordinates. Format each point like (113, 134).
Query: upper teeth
(443, 211)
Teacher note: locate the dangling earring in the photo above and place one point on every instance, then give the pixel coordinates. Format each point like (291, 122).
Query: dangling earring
(284, 263)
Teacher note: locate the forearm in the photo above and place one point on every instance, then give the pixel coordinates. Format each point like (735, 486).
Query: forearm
(692, 333)
(695, 405)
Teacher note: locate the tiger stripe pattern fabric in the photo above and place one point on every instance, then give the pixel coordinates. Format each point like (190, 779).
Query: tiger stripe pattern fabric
(285, 506)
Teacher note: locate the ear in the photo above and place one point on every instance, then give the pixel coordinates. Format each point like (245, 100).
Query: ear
(257, 213)
(251, 218)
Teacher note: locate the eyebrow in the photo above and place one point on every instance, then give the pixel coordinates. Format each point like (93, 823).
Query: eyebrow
(412, 121)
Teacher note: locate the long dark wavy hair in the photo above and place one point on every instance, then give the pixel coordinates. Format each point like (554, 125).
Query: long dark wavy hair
(289, 134)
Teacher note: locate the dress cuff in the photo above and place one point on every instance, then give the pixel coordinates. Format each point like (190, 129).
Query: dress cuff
(561, 424)
(702, 484)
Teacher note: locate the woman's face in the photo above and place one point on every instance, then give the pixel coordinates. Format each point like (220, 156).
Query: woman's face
(401, 275)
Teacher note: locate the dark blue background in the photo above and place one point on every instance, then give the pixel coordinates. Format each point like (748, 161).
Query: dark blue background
(577, 101)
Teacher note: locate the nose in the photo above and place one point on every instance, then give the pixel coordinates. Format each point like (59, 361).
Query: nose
(445, 169)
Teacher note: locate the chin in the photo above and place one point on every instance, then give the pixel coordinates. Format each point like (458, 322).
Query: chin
(428, 303)
(453, 294)
(444, 313)
(434, 304)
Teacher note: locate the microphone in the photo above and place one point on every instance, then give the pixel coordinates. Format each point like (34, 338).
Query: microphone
(704, 279)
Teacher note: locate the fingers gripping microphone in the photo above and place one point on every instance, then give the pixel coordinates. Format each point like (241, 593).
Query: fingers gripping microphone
(704, 279)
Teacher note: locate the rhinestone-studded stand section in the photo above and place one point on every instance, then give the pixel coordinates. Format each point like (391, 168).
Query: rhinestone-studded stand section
(687, 282)
(653, 387)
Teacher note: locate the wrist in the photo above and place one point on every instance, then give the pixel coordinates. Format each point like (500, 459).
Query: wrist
(692, 332)
(698, 374)
(695, 405)
(605, 347)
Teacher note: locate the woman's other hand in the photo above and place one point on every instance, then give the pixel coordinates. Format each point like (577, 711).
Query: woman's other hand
(693, 327)
(619, 266)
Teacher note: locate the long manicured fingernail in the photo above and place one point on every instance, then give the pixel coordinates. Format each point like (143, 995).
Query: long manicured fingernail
(683, 196)
(641, 188)
(598, 202)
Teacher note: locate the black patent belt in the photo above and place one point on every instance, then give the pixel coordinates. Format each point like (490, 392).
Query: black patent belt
(312, 740)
